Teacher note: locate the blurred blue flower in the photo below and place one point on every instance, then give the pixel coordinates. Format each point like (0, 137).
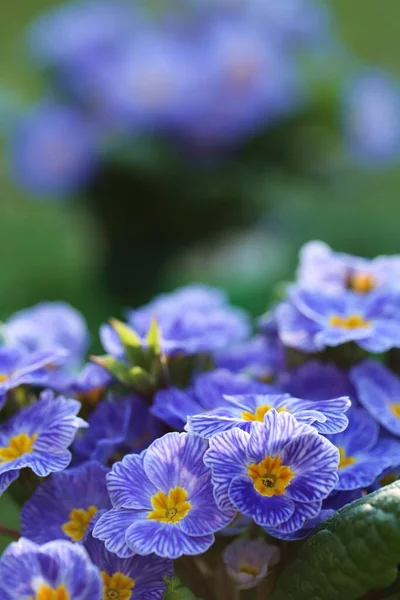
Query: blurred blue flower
(116, 426)
(192, 319)
(247, 561)
(38, 437)
(320, 268)
(327, 416)
(364, 453)
(88, 385)
(259, 357)
(19, 367)
(54, 150)
(49, 326)
(141, 576)
(378, 390)
(57, 569)
(371, 118)
(173, 405)
(316, 380)
(65, 504)
(311, 321)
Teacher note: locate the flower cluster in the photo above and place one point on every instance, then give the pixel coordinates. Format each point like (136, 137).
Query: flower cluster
(190, 428)
(206, 75)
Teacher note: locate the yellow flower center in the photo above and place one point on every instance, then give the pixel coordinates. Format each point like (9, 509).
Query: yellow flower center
(45, 592)
(350, 322)
(270, 477)
(17, 446)
(3, 377)
(260, 413)
(76, 527)
(345, 461)
(170, 508)
(248, 569)
(117, 586)
(361, 282)
(395, 408)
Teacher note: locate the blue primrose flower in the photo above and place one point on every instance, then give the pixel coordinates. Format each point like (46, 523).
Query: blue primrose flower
(49, 326)
(330, 505)
(117, 426)
(59, 570)
(65, 504)
(163, 501)
(54, 150)
(327, 416)
(38, 437)
(378, 390)
(138, 577)
(259, 357)
(316, 380)
(192, 319)
(173, 405)
(278, 474)
(371, 118)
(320, 268)
(19, 367)
(364, 452)
(311, 321)
(88, 386)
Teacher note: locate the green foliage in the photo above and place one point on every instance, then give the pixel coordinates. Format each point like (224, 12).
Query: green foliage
(177, 591)
(355, 551)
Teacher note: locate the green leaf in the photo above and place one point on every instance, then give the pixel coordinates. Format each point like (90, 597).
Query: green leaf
(356, 550)
(177, 591)
(141, 380)
(116, 367)
(154, 337)
(127, 335)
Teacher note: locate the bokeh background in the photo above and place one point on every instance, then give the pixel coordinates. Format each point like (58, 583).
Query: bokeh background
(55, 249)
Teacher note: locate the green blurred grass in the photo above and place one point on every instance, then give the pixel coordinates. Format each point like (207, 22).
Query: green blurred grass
(52, 251)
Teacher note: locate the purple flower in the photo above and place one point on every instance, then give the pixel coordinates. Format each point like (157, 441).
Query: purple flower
(163, 501)
(38, 437)
(259, 357)
(278, 474)
(18, 367)
(327, 416)
(54, 150)
(48, 326)
(378, 390)
(192, 319)
(55, 570)
(140, 576)
(316, 380)
(174, 405)
(364, 453)
(322, 269)
(333, 502)
(65, 504)
(117, 426)
(247, 561)
(371, 118)
(250, 79)
(88, 386)
(310, 321)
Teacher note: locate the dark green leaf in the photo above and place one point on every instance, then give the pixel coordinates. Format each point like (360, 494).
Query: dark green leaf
(177, 591)
(355, 551)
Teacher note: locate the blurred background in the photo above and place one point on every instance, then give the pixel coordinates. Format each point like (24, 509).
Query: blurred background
(146, 145)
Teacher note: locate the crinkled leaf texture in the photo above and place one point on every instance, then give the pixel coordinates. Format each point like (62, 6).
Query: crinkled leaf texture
(177, 591)
(356, 550)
